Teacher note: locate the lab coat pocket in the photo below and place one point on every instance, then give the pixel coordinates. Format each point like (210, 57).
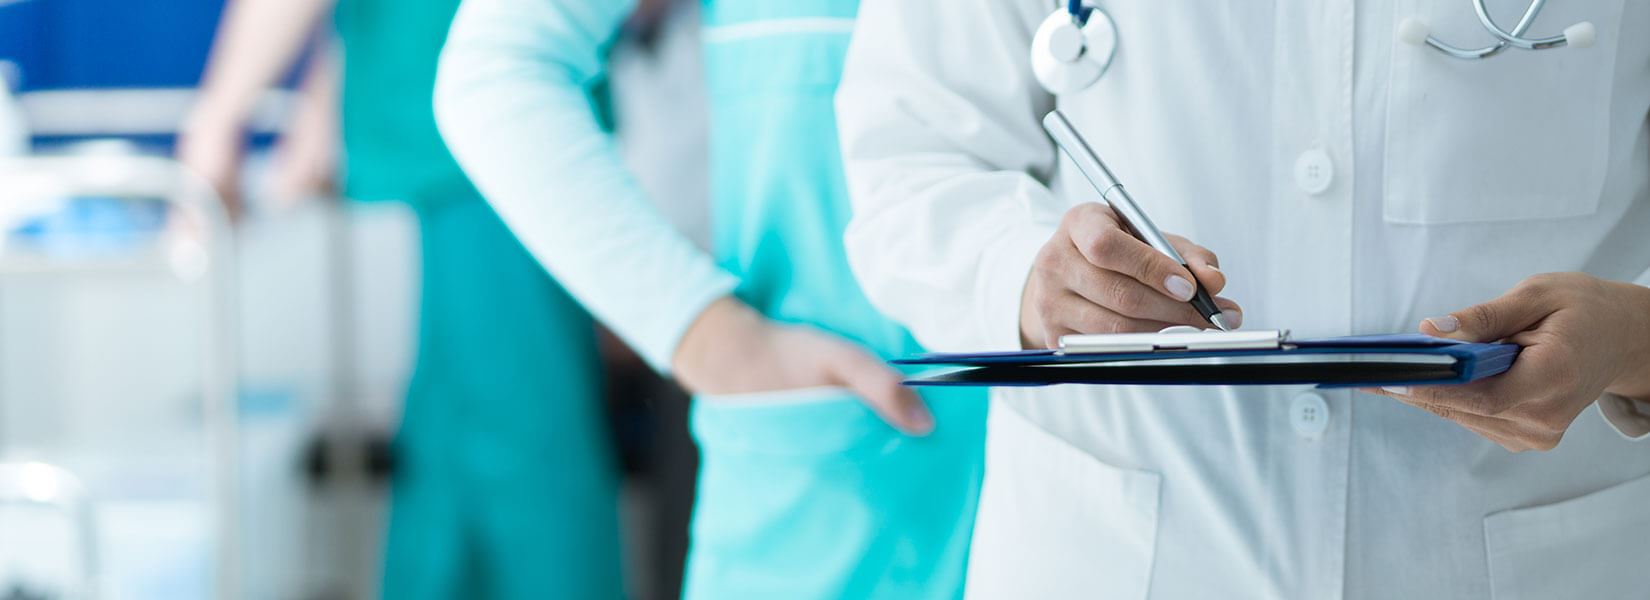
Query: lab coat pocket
(1520, 135)
(1054, 522)
(1587, 547)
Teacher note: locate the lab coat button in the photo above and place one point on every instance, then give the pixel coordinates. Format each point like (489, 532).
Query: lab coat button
(1309, 415)
(1314, 172)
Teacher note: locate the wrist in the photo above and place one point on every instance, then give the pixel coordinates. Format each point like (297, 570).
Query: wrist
(1634, 380)
(713, 341)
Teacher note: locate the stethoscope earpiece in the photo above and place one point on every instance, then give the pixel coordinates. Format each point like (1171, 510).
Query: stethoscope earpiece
(1071, 50)
(1413, 31)
(1581, 35)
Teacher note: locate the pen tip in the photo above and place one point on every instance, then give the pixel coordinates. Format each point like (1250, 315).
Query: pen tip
(1219, 320)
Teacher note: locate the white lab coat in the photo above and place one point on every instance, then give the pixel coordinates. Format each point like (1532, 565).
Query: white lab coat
(1351, 184)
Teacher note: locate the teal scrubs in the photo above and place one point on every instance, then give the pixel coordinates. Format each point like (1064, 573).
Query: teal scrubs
(812, 495)
(505, 485)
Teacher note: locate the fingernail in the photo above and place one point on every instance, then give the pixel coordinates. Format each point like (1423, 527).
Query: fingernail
(921, 420)
(1445, 324)
(1234, 317)
(1182, 289)
(1212, 267)
(1401, 390)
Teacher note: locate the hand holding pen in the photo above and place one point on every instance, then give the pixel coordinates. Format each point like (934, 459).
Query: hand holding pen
(1096, 275)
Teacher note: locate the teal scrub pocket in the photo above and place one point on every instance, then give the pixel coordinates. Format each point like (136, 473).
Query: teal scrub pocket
(808, 494)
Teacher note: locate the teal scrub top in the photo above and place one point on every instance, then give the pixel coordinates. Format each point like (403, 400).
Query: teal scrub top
(780, 202)
(801, 493)
(392, 150)
(811, 495)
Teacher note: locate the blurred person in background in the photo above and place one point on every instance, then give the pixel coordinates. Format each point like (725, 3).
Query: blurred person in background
(504, 484)
(804, 491)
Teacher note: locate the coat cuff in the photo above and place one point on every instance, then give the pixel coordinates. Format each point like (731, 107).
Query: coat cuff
(1003, 283)
(1628, 417)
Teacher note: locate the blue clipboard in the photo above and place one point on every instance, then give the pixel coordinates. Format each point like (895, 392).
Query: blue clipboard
(1354, 361)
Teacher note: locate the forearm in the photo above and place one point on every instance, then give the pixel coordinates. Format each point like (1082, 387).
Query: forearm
(317, 109)
(512, 104)
(257, 41)
(307, 153)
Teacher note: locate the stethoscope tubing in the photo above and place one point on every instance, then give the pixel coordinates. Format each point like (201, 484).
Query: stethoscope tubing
(1504, 39)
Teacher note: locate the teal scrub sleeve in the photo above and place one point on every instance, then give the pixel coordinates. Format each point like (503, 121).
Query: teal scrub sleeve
(512, 103)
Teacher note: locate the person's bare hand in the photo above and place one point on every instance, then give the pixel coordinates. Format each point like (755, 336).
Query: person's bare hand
(731, 349)
(306, 154)
(1582, 336)
(212, 148)
(306, 163)
(1094, 277)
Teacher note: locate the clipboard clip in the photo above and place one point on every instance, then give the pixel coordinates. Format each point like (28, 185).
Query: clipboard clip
(1173, 339)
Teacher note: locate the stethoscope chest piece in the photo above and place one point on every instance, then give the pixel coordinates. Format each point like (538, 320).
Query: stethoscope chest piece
(1069, 57)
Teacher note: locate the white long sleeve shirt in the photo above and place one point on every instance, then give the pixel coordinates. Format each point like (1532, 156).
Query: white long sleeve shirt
(1350, 183)
(513, 106)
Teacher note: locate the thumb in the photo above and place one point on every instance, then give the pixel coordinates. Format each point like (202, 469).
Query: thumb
(1495, 320)
(880, 388)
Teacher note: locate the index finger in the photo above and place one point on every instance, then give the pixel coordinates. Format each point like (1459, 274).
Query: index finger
(1486, 397)
(1105, 243)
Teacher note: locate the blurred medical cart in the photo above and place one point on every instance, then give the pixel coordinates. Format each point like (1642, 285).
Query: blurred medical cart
(76, 456)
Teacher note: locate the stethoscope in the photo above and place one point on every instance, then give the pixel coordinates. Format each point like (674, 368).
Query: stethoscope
(1074, 46)
(1581, 35)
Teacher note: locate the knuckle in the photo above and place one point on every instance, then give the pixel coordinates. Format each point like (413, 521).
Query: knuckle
(1534, 291)
(1074, 216)
(1125, 296)
(1538, 281)
(1048, 260)
(1479, 314)
(1191, 250)
(1109, 239)
(1557, 280)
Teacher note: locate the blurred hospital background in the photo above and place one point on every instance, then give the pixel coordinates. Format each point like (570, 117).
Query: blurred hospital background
(191, 408)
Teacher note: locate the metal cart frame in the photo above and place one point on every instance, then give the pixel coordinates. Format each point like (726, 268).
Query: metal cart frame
(201, 254)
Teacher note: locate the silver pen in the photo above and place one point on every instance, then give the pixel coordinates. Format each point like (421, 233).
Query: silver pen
(1066, 137)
